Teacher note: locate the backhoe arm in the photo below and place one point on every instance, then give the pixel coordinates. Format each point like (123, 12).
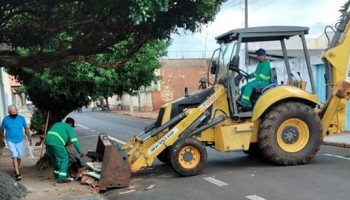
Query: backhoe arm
(337, 58)
(142, 152)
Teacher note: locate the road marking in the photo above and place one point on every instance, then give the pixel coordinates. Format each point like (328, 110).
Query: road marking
(82, 126)
(254, 197)
(127, 192)
(215, 181)
(336, 156)
(110, 137)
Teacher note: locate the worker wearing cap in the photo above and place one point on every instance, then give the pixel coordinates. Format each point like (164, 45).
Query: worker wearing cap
(56, 140)
(262, 77)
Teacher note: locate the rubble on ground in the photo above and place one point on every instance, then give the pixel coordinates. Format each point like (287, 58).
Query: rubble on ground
(9, 189)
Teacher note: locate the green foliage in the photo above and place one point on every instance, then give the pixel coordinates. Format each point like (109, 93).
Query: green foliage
(138, 70)
(37, 122)
(142, 11)
(345, 7)
(62, 90)
(19, 89)
(54, 33)
(59, 48)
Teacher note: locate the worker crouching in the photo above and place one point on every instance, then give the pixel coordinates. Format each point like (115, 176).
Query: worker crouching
(57, 138)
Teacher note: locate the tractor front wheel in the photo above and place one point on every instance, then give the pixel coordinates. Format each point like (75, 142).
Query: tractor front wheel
(188, 156)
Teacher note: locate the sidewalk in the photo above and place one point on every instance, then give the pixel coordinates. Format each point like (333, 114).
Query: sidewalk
(339, 140)
(40, 184)
(138, 114)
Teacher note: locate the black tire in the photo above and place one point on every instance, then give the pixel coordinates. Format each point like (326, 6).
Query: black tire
(188, 156)
(164, 156)
(290, 134)
(254, 150)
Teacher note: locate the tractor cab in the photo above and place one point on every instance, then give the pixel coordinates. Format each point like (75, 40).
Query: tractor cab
(229, 62)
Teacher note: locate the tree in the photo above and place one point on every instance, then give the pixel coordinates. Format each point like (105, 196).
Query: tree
(62, 90)
(53, 33)
(139, 71)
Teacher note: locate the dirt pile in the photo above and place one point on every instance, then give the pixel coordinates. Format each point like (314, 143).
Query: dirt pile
(9, 189)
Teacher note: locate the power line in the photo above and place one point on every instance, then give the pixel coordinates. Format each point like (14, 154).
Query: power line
(261, 4)
(231, 5)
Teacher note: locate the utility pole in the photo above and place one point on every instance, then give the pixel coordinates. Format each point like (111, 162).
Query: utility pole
(246, 26)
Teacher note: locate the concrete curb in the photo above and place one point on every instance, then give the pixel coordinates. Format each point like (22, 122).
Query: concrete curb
(343, 145)
(140, 115)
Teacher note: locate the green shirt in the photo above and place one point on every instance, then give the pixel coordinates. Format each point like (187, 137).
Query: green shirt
(59, 135)
(262, 72)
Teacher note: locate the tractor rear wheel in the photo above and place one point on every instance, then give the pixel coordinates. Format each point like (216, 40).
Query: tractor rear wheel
(188, 156)
(290, 134)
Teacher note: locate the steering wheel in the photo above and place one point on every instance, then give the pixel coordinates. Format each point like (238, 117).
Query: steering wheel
(244, 73)
(239, 79)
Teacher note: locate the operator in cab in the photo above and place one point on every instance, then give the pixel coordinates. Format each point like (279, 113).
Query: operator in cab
(262, 77)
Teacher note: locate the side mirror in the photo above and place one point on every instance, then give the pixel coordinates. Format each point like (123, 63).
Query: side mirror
(203, 82)
(234, 64)
(213, 67)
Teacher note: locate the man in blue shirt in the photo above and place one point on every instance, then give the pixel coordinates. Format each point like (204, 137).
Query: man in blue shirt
(13, 125)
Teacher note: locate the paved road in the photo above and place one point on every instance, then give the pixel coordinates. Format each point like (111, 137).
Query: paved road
(228, 176)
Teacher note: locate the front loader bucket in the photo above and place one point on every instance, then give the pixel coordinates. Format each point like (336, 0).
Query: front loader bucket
(115, 170)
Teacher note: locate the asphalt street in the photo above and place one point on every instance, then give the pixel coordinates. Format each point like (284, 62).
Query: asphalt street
(232, 175)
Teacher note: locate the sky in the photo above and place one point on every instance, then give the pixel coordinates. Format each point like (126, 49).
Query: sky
(315, 14)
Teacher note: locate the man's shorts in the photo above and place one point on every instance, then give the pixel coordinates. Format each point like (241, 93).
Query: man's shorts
(16, 149)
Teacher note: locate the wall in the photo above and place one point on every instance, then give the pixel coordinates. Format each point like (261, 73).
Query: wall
(5, 93)
(178, 74)
(297, 65)
(175, 76)
(143, 101)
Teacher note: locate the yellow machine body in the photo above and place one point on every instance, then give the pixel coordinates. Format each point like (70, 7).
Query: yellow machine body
(229, 135)
(286, 125)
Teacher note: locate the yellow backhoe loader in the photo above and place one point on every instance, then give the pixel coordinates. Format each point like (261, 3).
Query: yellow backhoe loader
(286, 125)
